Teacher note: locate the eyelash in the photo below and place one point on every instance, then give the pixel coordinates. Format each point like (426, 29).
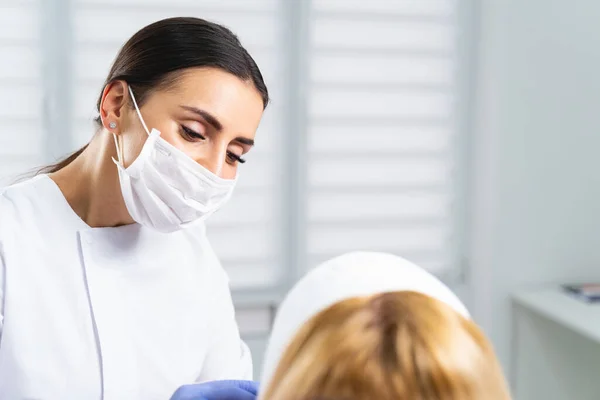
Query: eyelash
(191, 135)
(235, 157)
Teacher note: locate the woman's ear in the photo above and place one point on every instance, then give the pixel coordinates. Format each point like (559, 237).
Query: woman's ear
(114, 98)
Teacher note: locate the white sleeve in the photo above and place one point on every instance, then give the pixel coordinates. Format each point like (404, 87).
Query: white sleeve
(228, 357)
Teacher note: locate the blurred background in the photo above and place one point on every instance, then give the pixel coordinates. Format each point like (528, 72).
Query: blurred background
(460, 134)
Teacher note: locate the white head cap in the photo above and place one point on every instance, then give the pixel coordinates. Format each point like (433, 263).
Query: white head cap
(351, 275)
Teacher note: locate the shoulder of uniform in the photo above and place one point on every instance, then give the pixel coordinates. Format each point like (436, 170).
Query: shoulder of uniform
(16, 196)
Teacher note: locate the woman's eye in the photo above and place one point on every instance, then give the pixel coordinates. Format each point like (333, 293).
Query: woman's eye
(233, 158)
(191, 135)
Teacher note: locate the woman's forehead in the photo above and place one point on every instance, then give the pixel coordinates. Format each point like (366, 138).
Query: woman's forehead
(235, 102)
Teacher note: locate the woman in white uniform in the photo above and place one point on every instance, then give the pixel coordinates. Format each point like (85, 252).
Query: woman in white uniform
(108, 284)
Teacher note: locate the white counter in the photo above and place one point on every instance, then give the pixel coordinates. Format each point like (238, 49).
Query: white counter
(565, 310)
(556, 347)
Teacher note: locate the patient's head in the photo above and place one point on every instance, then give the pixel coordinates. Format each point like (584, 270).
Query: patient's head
(376, 326)
(394, 345)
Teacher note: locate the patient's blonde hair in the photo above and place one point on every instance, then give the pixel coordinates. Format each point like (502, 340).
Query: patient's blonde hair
(391, 346)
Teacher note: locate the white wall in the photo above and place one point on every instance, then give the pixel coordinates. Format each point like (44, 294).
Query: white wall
(536, 169)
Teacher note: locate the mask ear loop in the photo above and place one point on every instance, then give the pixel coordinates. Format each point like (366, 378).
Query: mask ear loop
(119, 152)
(137, 109)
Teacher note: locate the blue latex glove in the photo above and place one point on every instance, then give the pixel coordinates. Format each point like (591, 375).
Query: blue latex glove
(218, 390)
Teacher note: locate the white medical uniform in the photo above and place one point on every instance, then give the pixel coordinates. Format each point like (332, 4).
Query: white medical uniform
(107, 313)
(344, 277)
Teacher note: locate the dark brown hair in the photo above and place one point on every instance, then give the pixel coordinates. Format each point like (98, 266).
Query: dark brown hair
(153, 58)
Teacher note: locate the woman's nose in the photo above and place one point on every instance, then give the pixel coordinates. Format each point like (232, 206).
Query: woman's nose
(214, 161)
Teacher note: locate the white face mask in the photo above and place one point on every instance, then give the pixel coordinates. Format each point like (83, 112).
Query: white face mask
(166, 190)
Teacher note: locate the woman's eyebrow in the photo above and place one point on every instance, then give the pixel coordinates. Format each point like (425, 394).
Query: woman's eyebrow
(208, 117)
(212, 120)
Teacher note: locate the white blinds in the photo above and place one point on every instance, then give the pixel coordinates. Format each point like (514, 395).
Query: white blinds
(381, 129)
(245, 233)
(21, 135)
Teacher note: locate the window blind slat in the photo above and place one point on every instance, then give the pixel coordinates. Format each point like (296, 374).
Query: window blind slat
(375, 172)
(401, 238)
(386, 69)
(435, 262)
(381, 35)
(351, 102)
(360, 140)
(396, 7)
(335, 207)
